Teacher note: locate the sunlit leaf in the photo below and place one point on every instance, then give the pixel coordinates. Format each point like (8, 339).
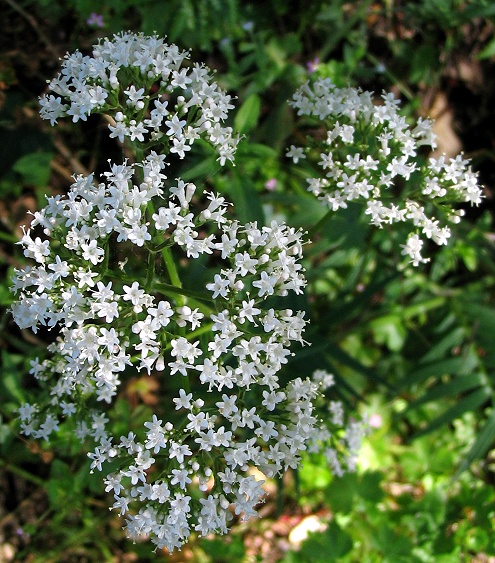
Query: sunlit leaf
(469, 403)
(248, 114)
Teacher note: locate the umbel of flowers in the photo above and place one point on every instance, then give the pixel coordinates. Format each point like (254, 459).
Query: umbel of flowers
(217, 350)
(371, 154)
(111, 323)
(148, 94)
(105, 277)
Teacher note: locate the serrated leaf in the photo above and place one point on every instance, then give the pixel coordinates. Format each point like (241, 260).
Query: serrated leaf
(248, 114)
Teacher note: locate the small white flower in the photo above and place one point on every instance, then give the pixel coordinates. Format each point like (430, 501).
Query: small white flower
(296, 153)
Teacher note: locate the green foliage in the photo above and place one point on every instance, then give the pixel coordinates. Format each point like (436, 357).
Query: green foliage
(34, 168)
(403, 506)
(224, 550)
(424, 339)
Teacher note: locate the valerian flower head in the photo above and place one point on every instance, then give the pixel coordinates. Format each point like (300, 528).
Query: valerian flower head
(370, 152)
(113, 322)
(106, 277)
(140, 84)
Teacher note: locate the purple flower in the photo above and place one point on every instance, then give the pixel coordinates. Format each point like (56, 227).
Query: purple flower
(271, 184)
(375, 420)
(312, 65)
(95, 19)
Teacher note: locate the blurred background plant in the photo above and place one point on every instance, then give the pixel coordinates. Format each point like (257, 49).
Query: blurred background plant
(413, 350)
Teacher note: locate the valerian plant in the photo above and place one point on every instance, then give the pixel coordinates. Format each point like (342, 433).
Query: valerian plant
(218, 349)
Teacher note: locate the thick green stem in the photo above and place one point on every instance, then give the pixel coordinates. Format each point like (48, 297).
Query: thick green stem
(166, 288)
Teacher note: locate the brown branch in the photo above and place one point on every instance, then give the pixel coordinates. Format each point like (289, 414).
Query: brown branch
(75, 165)
(61, 171)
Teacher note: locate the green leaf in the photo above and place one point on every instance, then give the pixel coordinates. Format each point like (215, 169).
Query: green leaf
(5, 431)
(246, 199)
(483, 318)
(361, 300)
(424, 61)
(225, 552)
(34, 168)
(60, 483)
(450, 389)
(479, 10)
(248, 114)
(394, 545)
(483, 443)
(327, 546)
(449, 366)
(339, 495)
(469, 403)
(344, 358)
(421, 308)
(389, 330)
(205, 167)
(452, 339)
(369, 486)
(11, 382)
(254, 150)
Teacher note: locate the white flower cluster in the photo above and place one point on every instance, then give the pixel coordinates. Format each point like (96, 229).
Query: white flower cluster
(74, 287)
(105, 279)
(141, 83)
(110, 323)
(337, 438)
(370, 153)
(212, 448)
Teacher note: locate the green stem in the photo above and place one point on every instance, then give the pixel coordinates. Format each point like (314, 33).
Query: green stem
(106, 258)
(22, 473)
(161, 246)
(173, 275)
(321, 223)
(166, 288)
(194, 333)
(393, 78)
(150, 274)
(8, 237)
